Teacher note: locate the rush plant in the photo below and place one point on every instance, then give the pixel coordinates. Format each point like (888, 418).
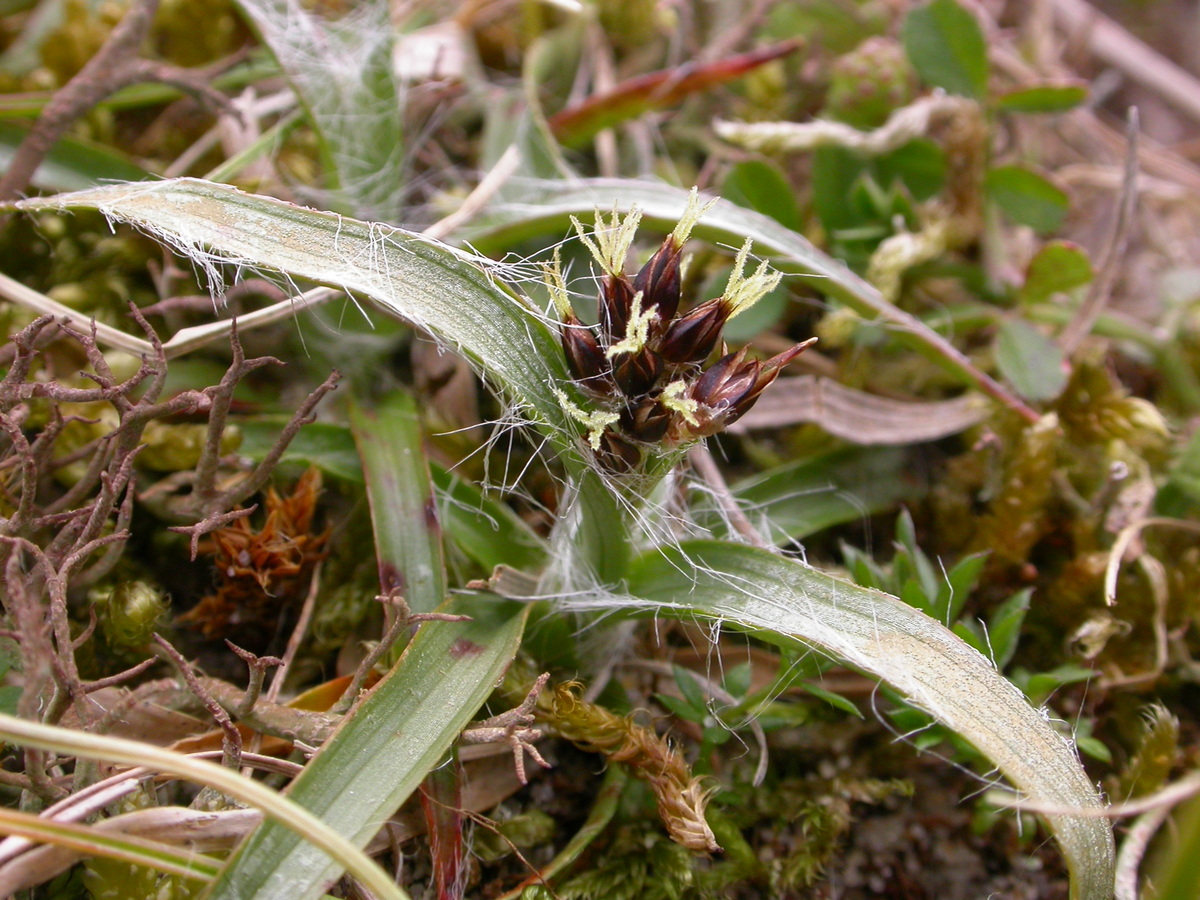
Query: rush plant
(617, 405)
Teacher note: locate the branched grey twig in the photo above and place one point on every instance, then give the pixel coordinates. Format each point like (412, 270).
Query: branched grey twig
(115, 65)
(232, 742)
(258, 666)
(514, 728)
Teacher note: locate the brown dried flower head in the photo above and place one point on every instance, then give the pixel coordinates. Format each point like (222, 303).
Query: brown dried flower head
(263, 572)
(643, 365)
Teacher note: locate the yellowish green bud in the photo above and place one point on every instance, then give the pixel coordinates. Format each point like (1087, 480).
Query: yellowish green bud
(129, 613)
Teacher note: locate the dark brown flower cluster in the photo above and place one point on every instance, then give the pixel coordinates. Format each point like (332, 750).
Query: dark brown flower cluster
(649, 371)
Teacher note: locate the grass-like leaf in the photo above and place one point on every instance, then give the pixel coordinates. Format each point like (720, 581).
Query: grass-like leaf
(805, 496)
(71, 164)
(382, 752)
(450, 293)
(135, 850)
(408, 537)
(784, 601)
(284, 813)
(343, 74)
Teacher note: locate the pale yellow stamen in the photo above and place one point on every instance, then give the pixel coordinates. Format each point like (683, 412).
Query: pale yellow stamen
(673, 398)
(595, 421)
(691, 215)
(637, 332)
(552, 277)
(744, 290)
(609, 242)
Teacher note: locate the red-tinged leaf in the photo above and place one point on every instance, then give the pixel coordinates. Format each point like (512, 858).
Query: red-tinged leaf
(442, 804)
(578, 124)
(1060, 266)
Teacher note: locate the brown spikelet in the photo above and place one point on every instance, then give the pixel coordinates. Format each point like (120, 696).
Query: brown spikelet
(585, 358)
(614, 305)
(691, 338)
(637, 373)
(658, 280)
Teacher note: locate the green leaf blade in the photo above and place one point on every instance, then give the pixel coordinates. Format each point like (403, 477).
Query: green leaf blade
(1059, 267)
(1043, 98)
(379, 756)
(1027, 198)
(71, 164)
(1032, 363)
(343, 74)
(785, 601)
(761, 186)
(451, 293)
(946, 46)
(408, 535)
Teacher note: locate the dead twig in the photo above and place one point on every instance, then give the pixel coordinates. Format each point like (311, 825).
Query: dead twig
(1115, 46)
(221, 396)
(514, 728)
(127, 675)
(115, 66)
(404, 620)
(210, 524)
(1100, 291)
(706, 467)
(257, 478)
(297, 635)
(231, 745)
(258, 666)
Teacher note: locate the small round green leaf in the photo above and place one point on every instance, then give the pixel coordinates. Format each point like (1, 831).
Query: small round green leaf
(1058, 267)
(1027, 198)
(947, 48)
(762, 187)
(1031, 362)
(920, 165)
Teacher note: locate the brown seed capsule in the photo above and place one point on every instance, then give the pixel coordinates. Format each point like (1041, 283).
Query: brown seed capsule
(718, 391)
(658, 280)
(618, 453)
(691, 338)
(615, 303)
(725, 380)
(637, 373)
(585, 359)
(769, 372)
(647, 421)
